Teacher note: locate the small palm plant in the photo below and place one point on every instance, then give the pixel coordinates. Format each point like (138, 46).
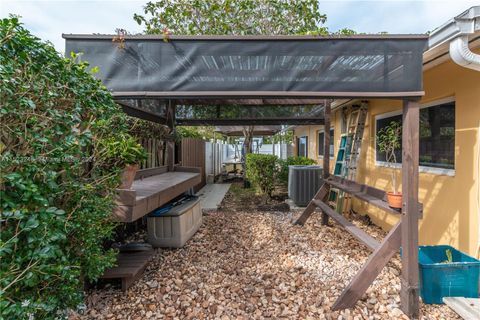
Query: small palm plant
(389, 141)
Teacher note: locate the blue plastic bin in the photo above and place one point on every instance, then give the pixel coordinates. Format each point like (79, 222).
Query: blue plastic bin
(439, 279)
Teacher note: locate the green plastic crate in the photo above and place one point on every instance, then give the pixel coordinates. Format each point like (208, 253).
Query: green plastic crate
(438, 279)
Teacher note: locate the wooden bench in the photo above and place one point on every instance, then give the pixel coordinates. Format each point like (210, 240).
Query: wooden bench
(371, 195)
(152, 189)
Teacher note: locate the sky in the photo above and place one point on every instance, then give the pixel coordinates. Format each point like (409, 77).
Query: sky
(48, 19)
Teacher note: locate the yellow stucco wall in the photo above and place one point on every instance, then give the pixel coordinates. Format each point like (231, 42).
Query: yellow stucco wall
(312, 133)
(451, 203)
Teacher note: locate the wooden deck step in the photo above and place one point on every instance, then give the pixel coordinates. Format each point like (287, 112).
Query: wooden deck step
(355, 231)
(130, 266)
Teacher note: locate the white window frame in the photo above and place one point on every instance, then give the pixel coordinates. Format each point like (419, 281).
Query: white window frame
(306, 146)
(422, 169)
(332, 156)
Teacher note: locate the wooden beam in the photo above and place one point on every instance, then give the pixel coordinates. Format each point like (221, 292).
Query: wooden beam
(321, 194)
(365, 193)
(170, 143)
(142, 114)
(370, 270)
(355, 231)
(250, 121)
(410, 145)
(219, 95)
(326, 149)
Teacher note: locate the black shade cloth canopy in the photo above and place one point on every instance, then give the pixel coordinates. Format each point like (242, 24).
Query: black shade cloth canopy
(255, 66)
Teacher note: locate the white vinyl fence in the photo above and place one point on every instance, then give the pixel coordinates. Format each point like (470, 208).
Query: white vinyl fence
(216, 154)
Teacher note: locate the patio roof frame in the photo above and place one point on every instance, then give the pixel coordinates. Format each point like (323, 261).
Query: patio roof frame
(406, 232)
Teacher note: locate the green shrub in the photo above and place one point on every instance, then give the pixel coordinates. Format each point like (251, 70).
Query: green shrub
(262, 171)
(56, 184)
(291, 161)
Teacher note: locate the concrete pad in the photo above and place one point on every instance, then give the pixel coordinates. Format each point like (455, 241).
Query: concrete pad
(467, 308)
(212, 195)
(293, 206)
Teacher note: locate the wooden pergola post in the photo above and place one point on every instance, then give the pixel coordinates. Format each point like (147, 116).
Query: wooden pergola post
(170, 116)
(324, 191)
(410, 209)
(326, 149)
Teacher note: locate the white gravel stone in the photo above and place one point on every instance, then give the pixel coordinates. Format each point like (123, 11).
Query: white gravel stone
(245, 264)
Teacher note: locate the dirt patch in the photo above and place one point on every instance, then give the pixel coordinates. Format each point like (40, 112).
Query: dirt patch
(240, 198)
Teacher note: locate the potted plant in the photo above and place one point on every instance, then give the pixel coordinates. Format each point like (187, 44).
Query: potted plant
(126, 152)
(389, 141)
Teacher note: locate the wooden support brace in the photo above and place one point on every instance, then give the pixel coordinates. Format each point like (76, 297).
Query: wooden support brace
(321, 194)
(326, 149)
(410, 211)
(355, 231)
(170, 115)
(372, 268)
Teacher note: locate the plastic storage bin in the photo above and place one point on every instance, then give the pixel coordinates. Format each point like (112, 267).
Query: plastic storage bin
(175, 227)
(438, 279)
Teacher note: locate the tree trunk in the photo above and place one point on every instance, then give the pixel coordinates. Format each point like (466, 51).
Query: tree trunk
(247, 148)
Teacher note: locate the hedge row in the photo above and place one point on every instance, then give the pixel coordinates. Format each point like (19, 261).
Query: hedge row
(264, 171)
(56, 184)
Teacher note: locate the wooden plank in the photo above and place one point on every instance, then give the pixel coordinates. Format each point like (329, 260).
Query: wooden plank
(326, 149)
(251, 121)
(125, 197)
(410, 144)
(120, 272)
(154, 191)
(355, 231)
(130, 266)
(144, 173)
(122, 213)
(370, 270)
(365, 193)
(267, 94)
(193, 155)
(361, 192)
(170, 115)
(188, 169)
(321, 194)
(467, 308)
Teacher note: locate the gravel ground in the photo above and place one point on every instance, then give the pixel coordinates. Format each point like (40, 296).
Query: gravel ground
(250, 264)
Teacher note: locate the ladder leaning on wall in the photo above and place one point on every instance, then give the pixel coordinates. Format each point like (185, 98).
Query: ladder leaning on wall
(348, 154)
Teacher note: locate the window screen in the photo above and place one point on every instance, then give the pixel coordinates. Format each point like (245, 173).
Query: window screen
(321, 143)
(302, 149)
(437, 136)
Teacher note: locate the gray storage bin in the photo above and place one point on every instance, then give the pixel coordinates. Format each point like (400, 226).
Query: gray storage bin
(303, 183)
(174, 228)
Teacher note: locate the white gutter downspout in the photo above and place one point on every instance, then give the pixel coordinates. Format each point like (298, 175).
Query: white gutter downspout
(461, 54)
(456, 34)
(467, 23)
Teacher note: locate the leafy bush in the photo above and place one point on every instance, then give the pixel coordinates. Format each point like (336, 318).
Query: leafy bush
(261, 171)
(56, 184)
(291, 161)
